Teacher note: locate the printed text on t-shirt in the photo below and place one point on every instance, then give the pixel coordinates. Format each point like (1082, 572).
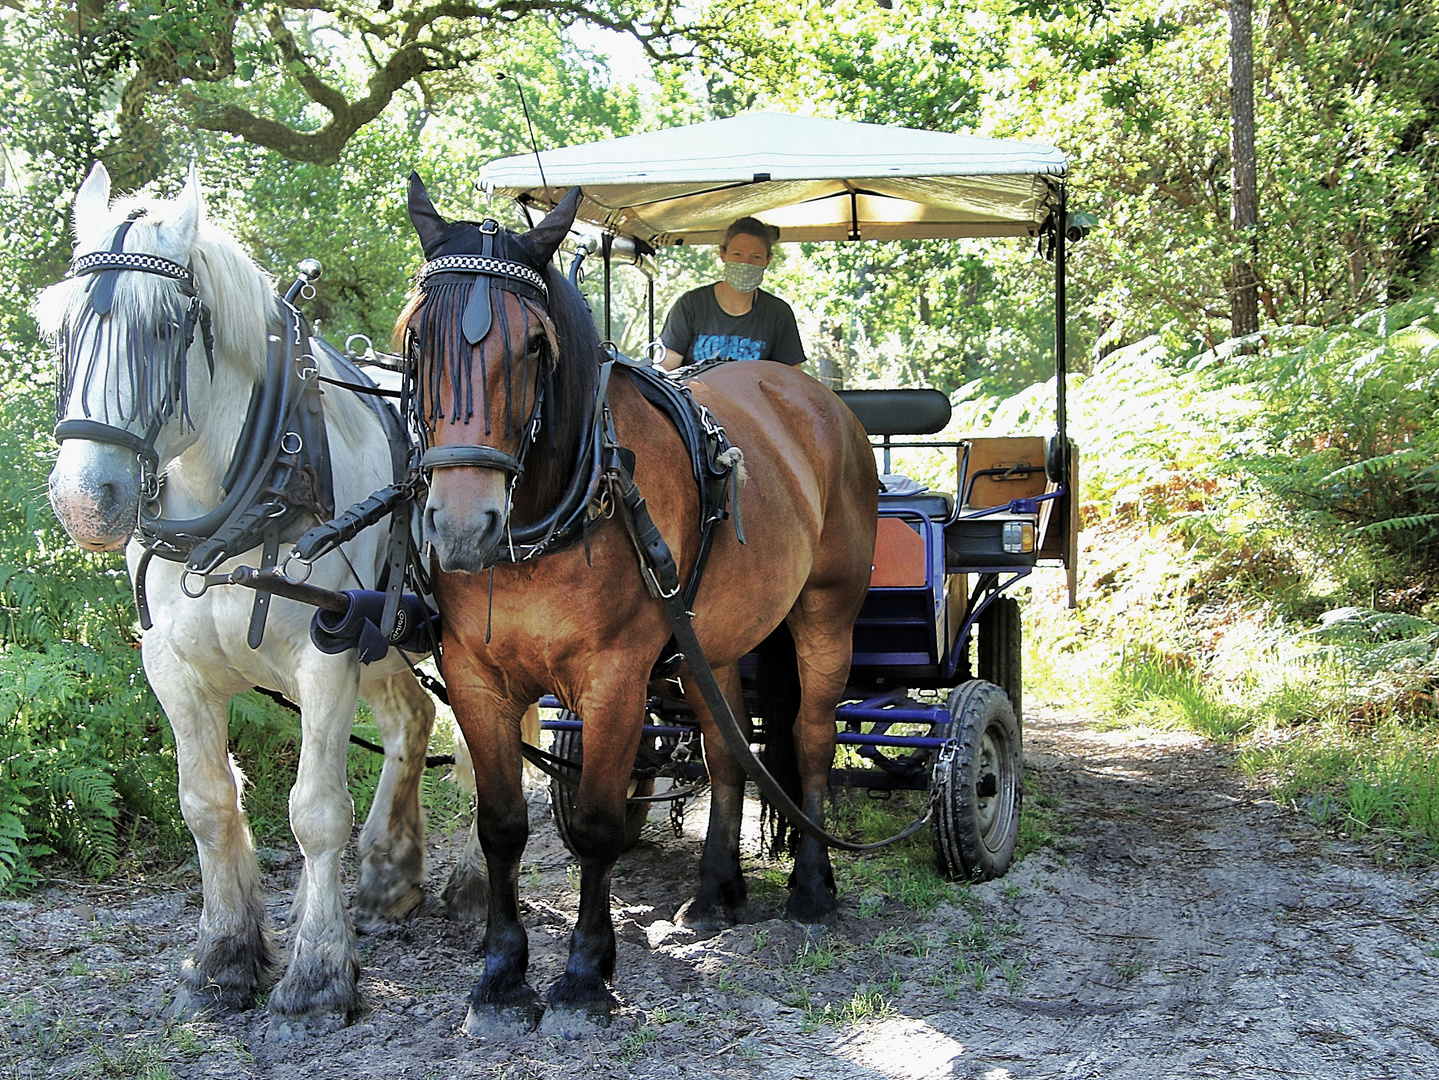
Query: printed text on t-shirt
(730, 346)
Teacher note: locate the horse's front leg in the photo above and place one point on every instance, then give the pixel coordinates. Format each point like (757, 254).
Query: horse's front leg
(502, 1002)
(234, 954)
(392, 843)
(722, 891)
(467, 892)
(613, 720)
(324, 970)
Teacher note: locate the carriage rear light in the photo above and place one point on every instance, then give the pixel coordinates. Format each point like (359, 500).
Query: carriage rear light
(1018, 537)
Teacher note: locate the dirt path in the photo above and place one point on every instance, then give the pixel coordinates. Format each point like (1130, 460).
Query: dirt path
(1180, 926)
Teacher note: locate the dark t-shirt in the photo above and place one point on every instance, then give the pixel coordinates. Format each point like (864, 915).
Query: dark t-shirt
(699, 329)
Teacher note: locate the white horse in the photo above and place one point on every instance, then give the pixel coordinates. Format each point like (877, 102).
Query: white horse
(131, 372)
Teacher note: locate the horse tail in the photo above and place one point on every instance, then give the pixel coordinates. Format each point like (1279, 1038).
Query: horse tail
(779, 698)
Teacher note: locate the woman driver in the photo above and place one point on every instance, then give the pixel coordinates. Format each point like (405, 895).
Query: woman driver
(734, 319)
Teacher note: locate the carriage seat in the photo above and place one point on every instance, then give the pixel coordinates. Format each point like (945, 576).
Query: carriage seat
(886, 413)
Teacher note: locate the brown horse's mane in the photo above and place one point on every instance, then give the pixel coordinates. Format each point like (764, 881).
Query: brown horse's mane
(572, 372)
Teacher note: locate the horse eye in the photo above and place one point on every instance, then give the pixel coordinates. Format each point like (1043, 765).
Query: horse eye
(535, 345)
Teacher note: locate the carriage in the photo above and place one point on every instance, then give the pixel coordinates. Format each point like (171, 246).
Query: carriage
(935, 697)
(166, 329)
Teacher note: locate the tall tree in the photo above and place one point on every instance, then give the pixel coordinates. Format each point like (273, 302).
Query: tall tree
(1244, 193)
(216, 65)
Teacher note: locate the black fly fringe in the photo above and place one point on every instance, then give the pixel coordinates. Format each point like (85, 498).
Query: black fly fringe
(439, 333)
(136, 367)
(505, 352)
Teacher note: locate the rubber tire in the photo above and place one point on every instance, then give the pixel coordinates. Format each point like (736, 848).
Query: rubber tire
(569, 745)
(1001, 650)
(975, 834)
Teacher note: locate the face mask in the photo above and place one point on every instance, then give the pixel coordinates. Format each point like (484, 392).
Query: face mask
(742, 276)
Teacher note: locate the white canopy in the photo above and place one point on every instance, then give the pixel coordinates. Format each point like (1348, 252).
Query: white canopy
(816, 179)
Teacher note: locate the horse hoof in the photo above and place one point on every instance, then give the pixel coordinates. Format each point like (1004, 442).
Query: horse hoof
(465, 897)
(316, 994)
(697, 915)
(502, 1022)
(194, 1002)
(370, 921)
(566, 1023)
(811, 906)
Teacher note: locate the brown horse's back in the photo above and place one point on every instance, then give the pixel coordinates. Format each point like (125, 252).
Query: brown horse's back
(808, 499)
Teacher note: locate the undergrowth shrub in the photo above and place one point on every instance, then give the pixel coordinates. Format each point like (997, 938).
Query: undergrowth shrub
(1349, 434)
(1258, 565)
(87, 761)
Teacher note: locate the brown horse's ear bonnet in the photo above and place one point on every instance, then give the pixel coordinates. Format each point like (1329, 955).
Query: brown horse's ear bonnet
(534, 249)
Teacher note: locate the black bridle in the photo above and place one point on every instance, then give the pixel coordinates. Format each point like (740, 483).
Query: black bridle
(105, 266)
(567, 521)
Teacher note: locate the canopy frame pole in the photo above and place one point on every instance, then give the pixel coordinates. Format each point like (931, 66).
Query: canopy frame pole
(1061, 359)
(607, 243)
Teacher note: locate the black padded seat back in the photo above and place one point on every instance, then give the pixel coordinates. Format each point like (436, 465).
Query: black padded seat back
(899, 412)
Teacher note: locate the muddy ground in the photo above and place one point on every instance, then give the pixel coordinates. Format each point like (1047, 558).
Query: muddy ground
(1179, 924)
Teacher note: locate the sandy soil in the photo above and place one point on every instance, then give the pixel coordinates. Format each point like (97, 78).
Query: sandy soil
(1180, 925)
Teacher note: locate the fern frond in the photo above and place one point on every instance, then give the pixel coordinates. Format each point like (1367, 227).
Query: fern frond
(1389, 525)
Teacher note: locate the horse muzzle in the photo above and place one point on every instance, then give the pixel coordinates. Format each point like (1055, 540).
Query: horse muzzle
(465, 518)
(95, 491)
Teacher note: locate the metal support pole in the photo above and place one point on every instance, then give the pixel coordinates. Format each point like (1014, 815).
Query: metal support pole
(1061, 360)
(608, 244)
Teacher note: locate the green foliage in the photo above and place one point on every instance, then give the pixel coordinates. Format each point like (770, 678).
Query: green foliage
(1377, 783)
(1349, 438)
(82, 741)
(1344, 101)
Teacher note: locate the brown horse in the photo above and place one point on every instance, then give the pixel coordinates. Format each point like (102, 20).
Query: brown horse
(507, 376)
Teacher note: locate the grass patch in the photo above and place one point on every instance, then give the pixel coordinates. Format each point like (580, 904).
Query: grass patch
(632, 1046)
(1368, 782)
(862, 1005)
(902, 874)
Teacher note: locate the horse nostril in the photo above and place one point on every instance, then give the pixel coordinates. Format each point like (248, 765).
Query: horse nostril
(107, 497)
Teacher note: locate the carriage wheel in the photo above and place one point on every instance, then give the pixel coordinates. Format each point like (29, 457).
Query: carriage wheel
(1001, 640)
(569, 745)
(978, 785)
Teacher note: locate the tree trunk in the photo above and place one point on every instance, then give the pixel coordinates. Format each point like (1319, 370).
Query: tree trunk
(1244, 208)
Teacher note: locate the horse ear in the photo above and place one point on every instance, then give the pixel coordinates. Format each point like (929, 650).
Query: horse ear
(424, 217)
(545, 238)
(182, 225)
(92, 207)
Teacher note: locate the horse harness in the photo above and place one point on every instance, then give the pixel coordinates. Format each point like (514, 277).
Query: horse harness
(280, 474)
